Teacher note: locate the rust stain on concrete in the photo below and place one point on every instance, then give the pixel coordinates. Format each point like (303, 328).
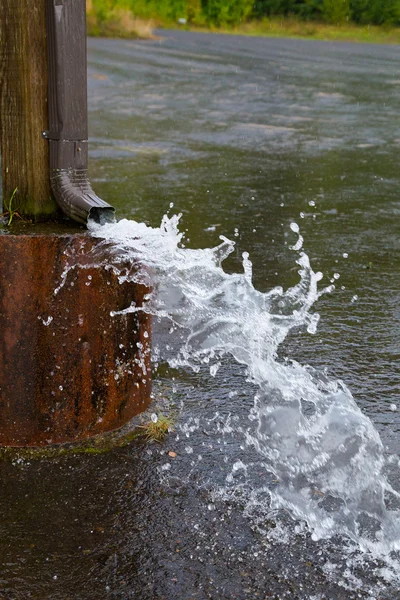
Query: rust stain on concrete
(68, 369)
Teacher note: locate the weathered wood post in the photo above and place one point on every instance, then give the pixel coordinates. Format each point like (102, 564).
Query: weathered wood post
(23, 109)
(68, 369)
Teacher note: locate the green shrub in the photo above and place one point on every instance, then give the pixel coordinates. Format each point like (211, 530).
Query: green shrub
(336, 11)
(165, 10)
(223, 12)
(376, 12)
(270, 8)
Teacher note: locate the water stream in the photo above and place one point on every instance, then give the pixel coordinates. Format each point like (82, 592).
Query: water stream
(322, 459)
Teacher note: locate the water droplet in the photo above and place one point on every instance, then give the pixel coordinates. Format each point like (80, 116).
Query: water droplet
(214, 369)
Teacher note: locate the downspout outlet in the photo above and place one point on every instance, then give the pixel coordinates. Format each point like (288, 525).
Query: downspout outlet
(68, 119)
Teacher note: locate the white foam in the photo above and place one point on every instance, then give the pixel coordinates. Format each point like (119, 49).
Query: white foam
(326, 454)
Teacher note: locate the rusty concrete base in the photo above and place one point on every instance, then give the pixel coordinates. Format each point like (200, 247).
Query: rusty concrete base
(68, 369)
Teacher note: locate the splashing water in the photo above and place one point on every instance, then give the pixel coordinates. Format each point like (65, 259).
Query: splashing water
(326, 456)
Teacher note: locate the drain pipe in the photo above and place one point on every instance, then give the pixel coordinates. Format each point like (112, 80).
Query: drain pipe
(68, 120)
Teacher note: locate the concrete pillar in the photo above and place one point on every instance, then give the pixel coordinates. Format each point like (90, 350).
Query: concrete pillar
(68, 369)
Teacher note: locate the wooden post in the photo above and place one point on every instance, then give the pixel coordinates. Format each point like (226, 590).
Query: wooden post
(23, 109)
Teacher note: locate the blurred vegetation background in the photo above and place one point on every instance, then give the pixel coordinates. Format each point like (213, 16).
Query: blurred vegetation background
(137, 17)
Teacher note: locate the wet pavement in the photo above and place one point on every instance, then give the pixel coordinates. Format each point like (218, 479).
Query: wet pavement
(243, 136)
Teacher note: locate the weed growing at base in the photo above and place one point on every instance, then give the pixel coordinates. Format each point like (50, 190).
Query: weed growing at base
(157, 428)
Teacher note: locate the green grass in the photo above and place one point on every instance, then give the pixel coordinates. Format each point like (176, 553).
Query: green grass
(11, 212)
(312, 30)
(156, 430)
(294, 28)
(120, 22)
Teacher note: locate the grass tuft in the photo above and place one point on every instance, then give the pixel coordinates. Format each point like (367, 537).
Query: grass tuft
(157, 429)
(10, 211)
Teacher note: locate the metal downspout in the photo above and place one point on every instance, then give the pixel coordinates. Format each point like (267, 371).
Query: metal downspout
(68, 121)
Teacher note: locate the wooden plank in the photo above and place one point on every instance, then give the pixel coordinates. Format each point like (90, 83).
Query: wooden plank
(23, 108)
